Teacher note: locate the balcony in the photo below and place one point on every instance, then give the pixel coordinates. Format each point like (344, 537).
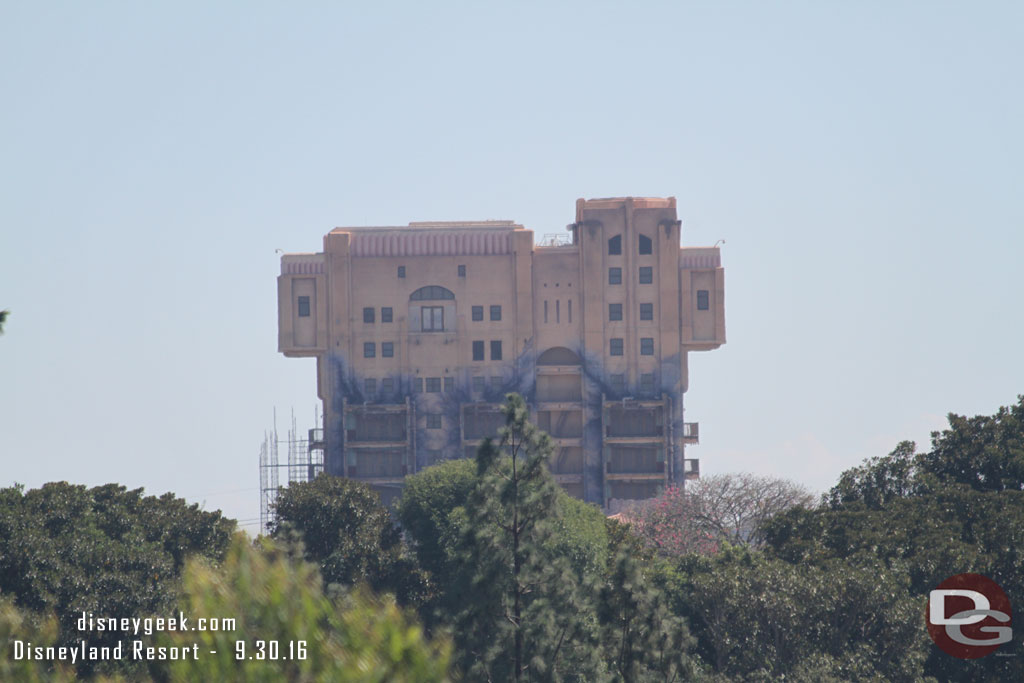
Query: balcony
(691, 433)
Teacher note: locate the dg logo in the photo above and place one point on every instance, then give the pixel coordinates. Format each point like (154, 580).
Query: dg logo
(969, 616)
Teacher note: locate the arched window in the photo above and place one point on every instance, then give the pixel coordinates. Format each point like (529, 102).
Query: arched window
(645, 244)
(615, 245)
(431, 293)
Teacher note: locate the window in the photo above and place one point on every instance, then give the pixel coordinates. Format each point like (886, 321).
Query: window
(462, 271)
(369, 350)
(387, 385)
(433, 318)
(615, 276)
(645, 245)
(370, 386)
(478, 350)
(617, 382)
(569, 303)
(647, 346)
(386, 314)
(303, 306)
(496, 350)
(495, 312)
(615, 346)
(478, 313)
(478, 384)
(431, 293)
(387, 349)
(646, 275)
(418, 385)
(647, 382)
(558, 310)
(545, 310)
(368, 315)
(496, 382)
(449, 385)
(401, 271)
(433, 421)
(615, 311)
(433, 385)
(615, 246)
(647, 311)
(703, 303)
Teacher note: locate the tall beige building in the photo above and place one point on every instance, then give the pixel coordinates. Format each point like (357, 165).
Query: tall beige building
(419, 331)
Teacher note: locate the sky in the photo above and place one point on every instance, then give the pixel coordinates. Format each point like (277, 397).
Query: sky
(862, 161)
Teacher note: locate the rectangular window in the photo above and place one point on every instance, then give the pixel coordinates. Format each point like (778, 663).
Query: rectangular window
(368, 315)
(449, 385)
(703, 302)
(615, 311)
(496, 350)
(386, 314)
(615, 276)
(462, 271)
(387, 349)
(647, 382)
(647, 311)
(433, 421)
(545, 310)
(433, 385)
(558, 310)
(495, 312)
(303, 306)
(647, 346)
(615, 346)
(570, 310)
(387, 385)
(401, 271)
(478, 313)
(418, 385)
(646, 275)
(496, 382)
(433, 318)
(370, 386)
(369, 350)
(617, 382)
(478, 384)
(478, 350)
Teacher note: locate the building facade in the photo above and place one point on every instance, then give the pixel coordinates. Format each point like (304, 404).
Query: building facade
(419, 331)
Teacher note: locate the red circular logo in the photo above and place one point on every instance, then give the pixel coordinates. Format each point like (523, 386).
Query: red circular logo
(969, 616)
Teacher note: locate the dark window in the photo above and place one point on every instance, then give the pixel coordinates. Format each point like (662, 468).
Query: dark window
(433, 319)
(386, 314)
(495, 312)
(370, 386)
(646, 275)
(496, 350)
(462, 271)
(647, 382)
(645, 244)
(647, 311)
(478, 313)
(703, 303)
(303, 306)
(418, 385)
(433, 421)
(433, 385)
(478, 383)
(449, 385)
(615, 311)
(647, 346)
(478, 350)
(401, 271)
(615, 246)
(368, 315)
(615, 276)
(387, 385)
(387, 349)
(545, 310)
(615, 346)
(369, 350)
(617, 382)
(431, 293)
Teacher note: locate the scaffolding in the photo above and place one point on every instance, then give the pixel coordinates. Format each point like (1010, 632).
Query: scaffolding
(305, 460)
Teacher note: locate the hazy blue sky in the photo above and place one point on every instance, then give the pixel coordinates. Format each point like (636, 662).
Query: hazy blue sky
(862, 160)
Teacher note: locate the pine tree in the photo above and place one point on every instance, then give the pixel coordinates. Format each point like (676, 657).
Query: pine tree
(525, 617)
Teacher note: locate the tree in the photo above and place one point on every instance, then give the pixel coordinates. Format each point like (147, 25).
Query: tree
(3, 319)
(525, 616)
(348, 533)
(280, 607)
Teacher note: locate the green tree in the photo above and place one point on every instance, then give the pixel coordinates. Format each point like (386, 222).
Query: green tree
(348, 533)
(3, 319)
(279, 599)
(525, 616)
